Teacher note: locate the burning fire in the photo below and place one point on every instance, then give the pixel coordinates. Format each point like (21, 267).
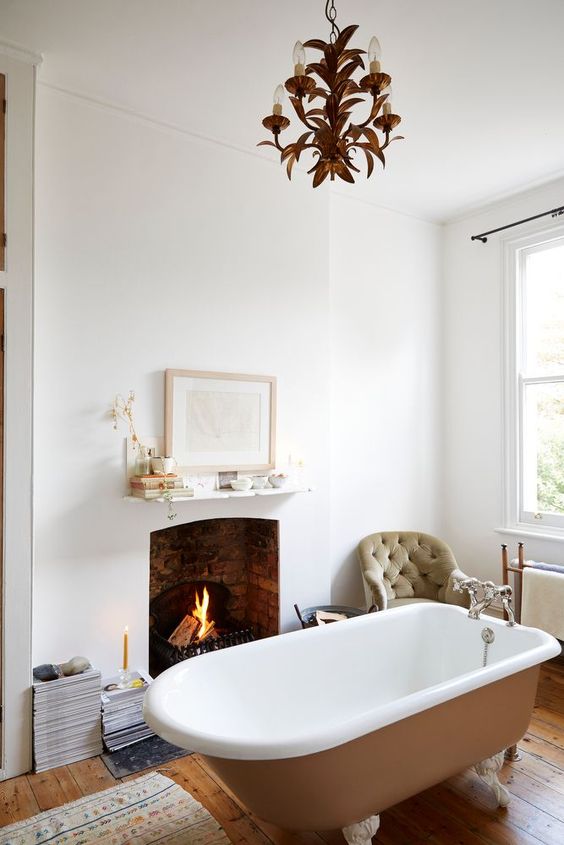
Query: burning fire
(201, 614)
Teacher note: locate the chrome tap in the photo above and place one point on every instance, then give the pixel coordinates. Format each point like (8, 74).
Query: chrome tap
(490, 592)
(471, 585)
(506, 594)
(488, 596)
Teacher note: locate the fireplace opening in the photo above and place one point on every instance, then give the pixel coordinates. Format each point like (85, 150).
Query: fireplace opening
(213, 584)
(191, 619)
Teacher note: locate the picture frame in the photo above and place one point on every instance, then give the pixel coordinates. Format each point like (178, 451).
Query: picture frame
(224, 479)
(220, 422)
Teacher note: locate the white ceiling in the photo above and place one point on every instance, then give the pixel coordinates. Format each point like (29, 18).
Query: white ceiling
(479, 84)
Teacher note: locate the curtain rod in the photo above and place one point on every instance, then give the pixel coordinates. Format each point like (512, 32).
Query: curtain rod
(483, 237)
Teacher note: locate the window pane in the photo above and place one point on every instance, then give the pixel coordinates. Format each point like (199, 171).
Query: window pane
(544, 310)
(543, 464)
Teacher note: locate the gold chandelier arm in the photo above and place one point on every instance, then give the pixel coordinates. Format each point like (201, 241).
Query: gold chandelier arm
(300, 111)
(387, 141)
(309, 125)
(377, 103)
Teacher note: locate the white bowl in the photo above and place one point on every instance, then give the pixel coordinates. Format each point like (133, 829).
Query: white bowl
(242, 484)
(259, 482)
(278, 480)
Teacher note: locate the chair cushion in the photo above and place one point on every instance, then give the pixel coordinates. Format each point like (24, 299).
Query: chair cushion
(401, 602)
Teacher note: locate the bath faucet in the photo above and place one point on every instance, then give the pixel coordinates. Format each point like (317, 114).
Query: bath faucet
(490, 592)
(488, 596)
(471, 586)
(505, 593)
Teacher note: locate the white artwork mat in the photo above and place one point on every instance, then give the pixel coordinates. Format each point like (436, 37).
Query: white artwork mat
(221, 422)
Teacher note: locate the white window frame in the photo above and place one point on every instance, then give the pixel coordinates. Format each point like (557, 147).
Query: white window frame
(516, 518)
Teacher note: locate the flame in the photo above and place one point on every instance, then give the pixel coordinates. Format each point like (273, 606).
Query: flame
(201, 614)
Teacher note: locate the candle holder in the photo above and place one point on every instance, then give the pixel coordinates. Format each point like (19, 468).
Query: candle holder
(124, 679)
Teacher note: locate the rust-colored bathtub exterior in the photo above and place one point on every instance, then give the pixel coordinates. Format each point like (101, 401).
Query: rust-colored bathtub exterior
(343, 785)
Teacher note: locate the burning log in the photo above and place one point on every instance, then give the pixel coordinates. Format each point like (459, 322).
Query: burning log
(209, 631)
(185, 632)
(195, 627)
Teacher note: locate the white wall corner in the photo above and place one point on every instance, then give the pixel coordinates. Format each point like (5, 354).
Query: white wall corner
(19, 53)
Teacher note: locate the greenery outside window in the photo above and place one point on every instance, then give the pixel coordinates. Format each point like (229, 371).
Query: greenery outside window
(536, 384)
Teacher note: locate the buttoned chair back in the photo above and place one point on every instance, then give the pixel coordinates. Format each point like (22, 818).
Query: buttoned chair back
(401, 567)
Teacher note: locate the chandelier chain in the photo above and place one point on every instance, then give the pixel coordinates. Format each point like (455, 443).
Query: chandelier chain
(331, 15)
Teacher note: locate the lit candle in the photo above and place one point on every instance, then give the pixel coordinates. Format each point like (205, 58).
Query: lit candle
(126, 648)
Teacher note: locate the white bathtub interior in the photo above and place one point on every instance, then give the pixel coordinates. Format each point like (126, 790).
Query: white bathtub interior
(332, 682)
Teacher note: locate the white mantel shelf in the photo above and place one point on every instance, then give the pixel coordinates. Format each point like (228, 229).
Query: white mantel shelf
(221, 494)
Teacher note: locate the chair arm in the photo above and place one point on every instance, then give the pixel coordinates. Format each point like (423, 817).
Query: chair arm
(452, 596)
(377, 589)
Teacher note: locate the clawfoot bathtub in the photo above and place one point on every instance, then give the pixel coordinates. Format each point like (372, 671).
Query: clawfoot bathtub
(325, 728)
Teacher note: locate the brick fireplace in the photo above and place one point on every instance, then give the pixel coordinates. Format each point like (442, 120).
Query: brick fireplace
(240, 554)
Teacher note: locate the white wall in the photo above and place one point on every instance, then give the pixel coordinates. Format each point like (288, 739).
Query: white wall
(385, 409)
(17, 281)
(156, 250)
(473, 388)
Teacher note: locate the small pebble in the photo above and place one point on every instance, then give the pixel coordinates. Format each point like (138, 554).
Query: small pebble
(47, 672)
(75, 666)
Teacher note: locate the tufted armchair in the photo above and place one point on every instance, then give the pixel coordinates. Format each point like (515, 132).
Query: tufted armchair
(401, 567)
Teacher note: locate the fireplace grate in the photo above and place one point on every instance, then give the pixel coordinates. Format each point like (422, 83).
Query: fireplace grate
(170, 654)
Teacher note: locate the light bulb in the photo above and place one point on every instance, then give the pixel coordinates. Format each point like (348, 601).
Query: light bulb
(278, 97)
(299, 59)
(387, 109)
(374, 55)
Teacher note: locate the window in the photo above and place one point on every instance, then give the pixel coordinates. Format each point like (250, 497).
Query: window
(536, 384)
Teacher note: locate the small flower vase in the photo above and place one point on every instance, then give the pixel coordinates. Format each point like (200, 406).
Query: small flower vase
(143, 462)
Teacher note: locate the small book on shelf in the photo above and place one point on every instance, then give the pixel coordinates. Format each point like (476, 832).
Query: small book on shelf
(156, 482)
(178, 492)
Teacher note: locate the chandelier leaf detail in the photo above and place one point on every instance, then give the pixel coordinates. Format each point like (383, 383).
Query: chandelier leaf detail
(332, 137)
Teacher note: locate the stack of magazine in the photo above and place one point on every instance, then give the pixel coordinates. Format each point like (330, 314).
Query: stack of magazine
(66, 720)
(122, 712)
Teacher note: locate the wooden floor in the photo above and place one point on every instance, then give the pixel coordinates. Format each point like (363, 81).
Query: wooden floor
(457, 812)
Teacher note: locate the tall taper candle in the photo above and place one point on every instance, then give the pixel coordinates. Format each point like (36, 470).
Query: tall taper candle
(126, 648)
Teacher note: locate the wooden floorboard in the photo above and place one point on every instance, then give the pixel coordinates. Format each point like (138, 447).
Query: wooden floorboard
(460, 811)
(91, 775)
(17, 801)
(54, 787)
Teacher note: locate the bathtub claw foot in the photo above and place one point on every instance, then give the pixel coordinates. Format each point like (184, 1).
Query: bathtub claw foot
(362, 832)
(487, 770)
(512, 754)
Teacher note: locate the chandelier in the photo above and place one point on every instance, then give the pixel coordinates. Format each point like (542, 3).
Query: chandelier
(332, 137)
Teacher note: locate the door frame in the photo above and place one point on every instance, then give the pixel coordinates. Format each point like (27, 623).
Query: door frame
(19, 68)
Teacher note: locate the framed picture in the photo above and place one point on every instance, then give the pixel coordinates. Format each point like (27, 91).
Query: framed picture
(224, 479)
(220, 422)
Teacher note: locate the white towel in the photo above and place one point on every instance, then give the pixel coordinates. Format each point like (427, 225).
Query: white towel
(543, 601)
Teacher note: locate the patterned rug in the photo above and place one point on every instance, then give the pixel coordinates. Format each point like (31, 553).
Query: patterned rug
(147, 810)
